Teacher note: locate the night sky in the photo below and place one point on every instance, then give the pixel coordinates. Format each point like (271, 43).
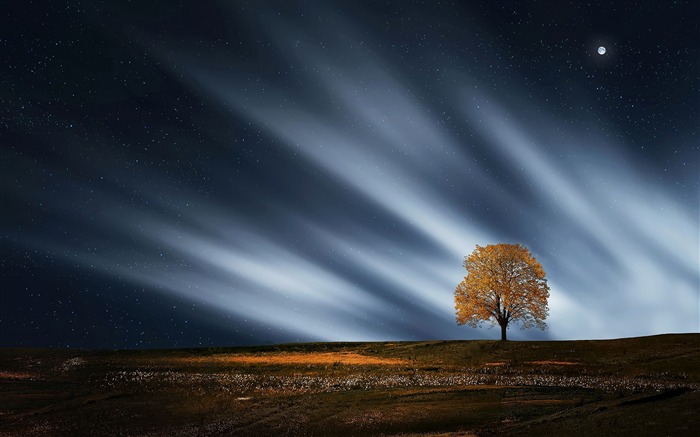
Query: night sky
(196, 173)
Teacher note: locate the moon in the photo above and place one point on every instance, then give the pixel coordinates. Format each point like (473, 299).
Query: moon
(601, 50)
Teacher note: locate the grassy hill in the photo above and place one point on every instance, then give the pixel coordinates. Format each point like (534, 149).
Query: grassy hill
(635, 386)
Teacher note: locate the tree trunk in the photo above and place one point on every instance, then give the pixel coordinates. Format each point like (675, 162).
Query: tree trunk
(503, 331)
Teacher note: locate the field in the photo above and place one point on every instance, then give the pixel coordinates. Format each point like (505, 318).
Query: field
(638, 386)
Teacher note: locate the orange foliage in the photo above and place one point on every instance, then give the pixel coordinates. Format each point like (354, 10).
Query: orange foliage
(504, 282)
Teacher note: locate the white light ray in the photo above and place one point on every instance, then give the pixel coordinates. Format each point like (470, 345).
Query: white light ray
(392, 187)
(637, 285)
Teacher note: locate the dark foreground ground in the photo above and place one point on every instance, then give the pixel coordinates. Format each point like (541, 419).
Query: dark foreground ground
(639, 386)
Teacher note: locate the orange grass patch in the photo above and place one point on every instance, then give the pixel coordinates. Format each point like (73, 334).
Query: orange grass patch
(14, 375)
(295, 358)
(541, 401)
(553, 363)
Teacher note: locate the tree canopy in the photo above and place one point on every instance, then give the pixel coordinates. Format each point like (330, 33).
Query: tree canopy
(504, 283)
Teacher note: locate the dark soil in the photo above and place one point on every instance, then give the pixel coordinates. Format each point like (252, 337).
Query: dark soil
(638, 386)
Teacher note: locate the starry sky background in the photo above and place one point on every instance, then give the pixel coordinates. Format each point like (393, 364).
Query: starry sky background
(189, 173)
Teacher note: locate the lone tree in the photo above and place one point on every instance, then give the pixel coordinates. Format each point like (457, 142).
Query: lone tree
(504, 282)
